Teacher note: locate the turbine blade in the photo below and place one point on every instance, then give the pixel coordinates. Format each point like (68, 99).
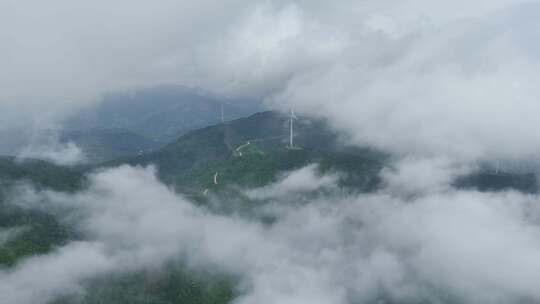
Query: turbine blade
(292, 115)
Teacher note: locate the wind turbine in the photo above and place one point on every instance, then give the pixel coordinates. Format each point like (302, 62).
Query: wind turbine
(292, 118)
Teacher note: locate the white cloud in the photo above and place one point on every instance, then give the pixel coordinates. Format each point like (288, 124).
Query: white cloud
(455, 87)
(59, 153)
(42, 278)
(455, 79)
(418, 176)
(472, 247)
(302, 181)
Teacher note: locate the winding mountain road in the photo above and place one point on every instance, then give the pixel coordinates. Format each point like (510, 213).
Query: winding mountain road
(216, 178)
(241, 147)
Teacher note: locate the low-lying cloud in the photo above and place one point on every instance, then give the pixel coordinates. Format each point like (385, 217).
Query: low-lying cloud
(438, 246)
(302, 181)
(59, 153)
(418, 176)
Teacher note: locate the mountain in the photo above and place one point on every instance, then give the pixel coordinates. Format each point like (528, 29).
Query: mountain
(173, 283)
(126, 124)
(161, 113)
(42, 174)
(191, 162)
(100, 145)
(97, 145)
(31, 231)
(251, 151)
(489, 181)
(247, 152)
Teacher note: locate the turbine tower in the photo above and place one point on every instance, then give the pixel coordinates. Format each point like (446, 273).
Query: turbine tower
(222, 113)
(291, 139)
